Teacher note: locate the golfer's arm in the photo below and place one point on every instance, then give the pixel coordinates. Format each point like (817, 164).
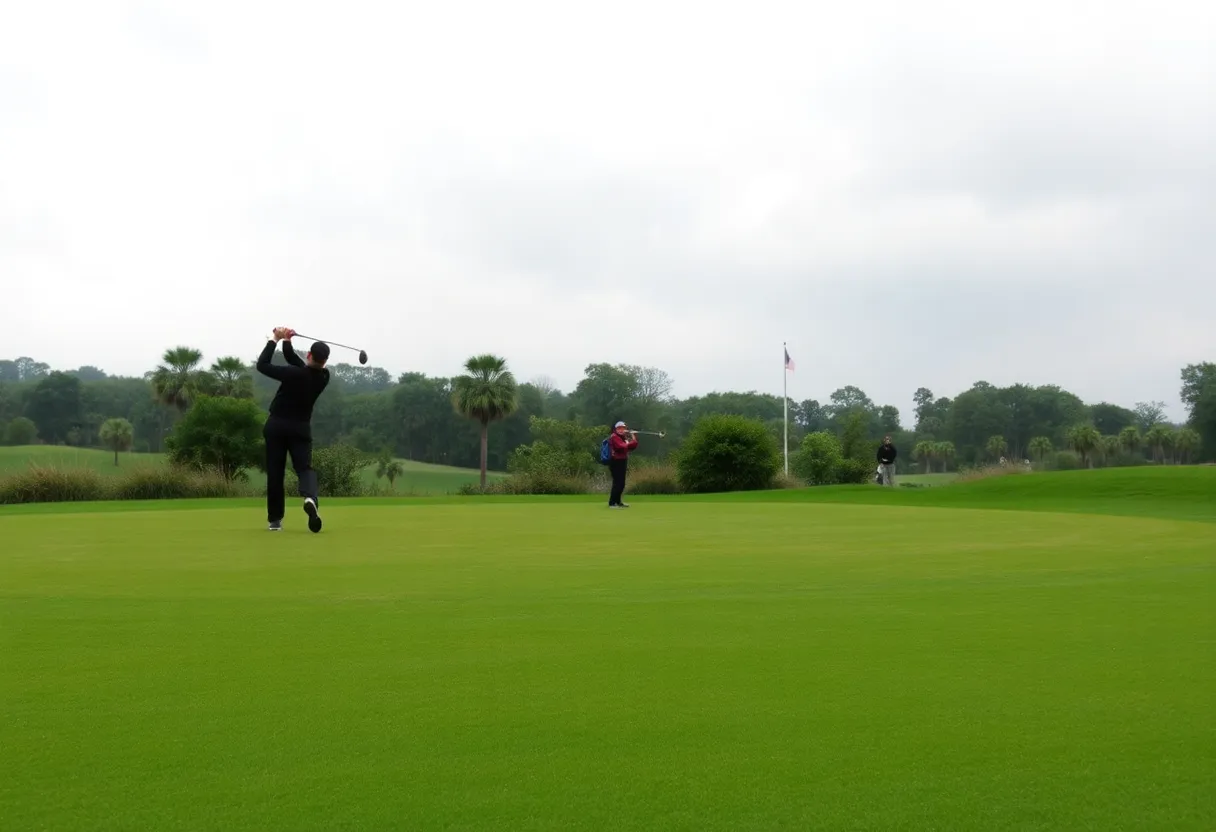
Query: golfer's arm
(266, 368)
(289, 352)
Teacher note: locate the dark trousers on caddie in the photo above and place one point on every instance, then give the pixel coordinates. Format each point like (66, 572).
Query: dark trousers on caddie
(617, 467)
(283, 438)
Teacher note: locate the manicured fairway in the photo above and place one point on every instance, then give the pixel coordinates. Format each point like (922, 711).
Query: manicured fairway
(693, 665)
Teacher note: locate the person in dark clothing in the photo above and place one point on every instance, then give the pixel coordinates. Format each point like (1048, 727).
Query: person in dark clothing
(886, 461)
(289, 426)
(618, 462)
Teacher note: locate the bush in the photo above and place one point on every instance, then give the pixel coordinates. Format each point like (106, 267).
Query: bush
(339, 472)
(173, 484)
(817, 458)
(1064, 461)
(855, 471)
(20, 431)
(534, 483)
(38, 484)
(563, 447)
(220, 434)
(728, 453)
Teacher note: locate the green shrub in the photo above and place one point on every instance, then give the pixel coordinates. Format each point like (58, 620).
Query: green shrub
(20, 431)
(817, 459)
(855, 471)
(728, 453)
(542, 482)
(220, 434)
(174, 483)
(565, 447)
(38, 484)
(339, 471)
(541, 457)
(1065, 461)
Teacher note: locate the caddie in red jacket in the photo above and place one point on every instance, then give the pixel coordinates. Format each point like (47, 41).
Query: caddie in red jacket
(622, 443)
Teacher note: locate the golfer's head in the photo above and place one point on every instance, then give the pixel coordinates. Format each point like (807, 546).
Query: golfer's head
(318, 354)
(620, 427)
(886, 440)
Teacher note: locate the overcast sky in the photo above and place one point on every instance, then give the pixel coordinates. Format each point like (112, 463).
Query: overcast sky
(905, 192)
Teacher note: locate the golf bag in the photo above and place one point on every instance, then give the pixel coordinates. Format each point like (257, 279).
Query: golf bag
(878, 476)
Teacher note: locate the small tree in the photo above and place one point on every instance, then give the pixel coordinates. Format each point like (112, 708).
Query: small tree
(178, 381)
(1130, 439)
(487, 392)
(728, 453)
(21, 431)
(817, 459)
(219, 433)
(852, 440)
(924, 451)
(996, 447)
(1040, 447)
(231, 378)
(388, 468)
(117, 435)
(1186, 442)
(339, 470)
(945, 452)
(1158, 439)
(1085, 439)
(1110, 448)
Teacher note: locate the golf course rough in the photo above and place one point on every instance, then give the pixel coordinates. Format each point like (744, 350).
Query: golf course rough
(762, 662)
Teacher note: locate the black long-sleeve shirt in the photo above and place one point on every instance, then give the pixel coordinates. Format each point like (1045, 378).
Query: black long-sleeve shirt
(886, 454)
(299, 387)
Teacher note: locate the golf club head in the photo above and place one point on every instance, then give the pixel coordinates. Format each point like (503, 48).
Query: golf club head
(362, 356)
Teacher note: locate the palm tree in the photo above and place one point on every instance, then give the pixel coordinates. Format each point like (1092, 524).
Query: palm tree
(177, 381)
(231, 378)
(1040, 447)
(117, 435)
(1167, 443)
(996, 446)
(1130, 438)
(924, 451)
(486, 392)
(388, 468)
(1110, 448)
(1157, 437)
(1186, 442)
(944, 451)
(1084, 439)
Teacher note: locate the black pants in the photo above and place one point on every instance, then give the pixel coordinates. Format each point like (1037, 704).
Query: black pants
(617, 467)
(283, 438)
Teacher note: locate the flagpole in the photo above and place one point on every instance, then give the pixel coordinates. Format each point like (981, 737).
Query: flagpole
(785, 407)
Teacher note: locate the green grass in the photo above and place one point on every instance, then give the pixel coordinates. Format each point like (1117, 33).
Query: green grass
(418, 478)
(767, 661)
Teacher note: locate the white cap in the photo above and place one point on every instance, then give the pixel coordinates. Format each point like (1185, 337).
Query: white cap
(619, 425)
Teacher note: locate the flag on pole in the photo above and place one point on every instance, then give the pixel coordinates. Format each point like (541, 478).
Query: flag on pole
(789, 362)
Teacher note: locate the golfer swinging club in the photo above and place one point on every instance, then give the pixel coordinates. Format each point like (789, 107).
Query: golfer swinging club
(289, 427)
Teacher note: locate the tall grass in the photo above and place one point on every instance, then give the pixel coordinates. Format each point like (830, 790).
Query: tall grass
(52, 484)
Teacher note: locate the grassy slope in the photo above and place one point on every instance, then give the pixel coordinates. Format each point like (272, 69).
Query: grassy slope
(771, 661)
(419, 477)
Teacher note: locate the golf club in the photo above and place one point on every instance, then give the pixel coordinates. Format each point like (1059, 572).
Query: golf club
(362, 354)
(657, 433)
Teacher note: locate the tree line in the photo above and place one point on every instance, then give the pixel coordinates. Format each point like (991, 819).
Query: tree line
(420, 417)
